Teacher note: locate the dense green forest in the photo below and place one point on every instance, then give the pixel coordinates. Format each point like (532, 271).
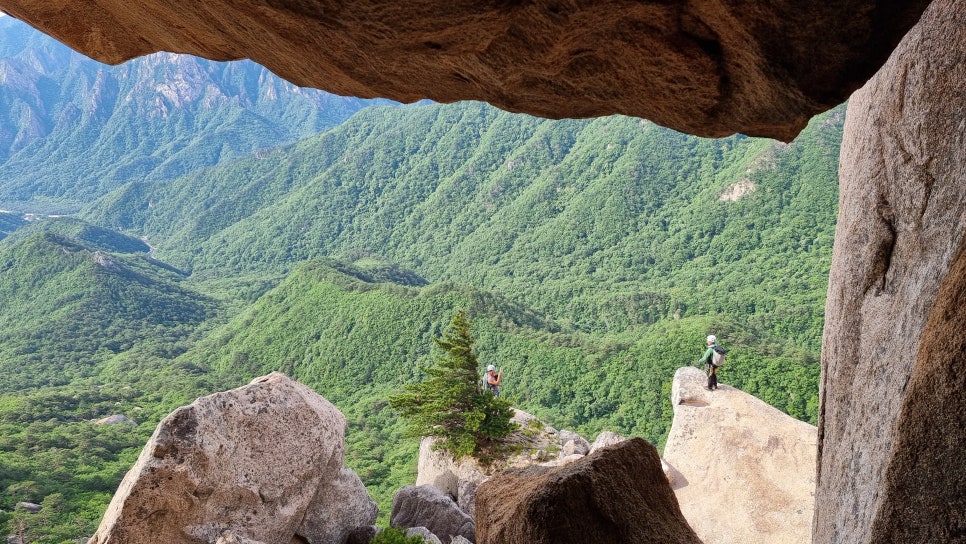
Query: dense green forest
(602, 225)
(592, 256)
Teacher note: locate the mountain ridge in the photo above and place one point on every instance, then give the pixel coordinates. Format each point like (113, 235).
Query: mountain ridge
(72, 128)
(618, 203)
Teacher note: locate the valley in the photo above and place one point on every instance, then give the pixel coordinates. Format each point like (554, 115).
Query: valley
(593, 257)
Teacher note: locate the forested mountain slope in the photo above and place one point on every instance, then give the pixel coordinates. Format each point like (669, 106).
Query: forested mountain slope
(72, 301)
(594, 256)
(72, 129)
(606, 224)
(10, 222)
(357, 342)
(89, 327)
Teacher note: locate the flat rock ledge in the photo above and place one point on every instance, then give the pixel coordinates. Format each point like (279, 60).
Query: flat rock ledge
(742, 470)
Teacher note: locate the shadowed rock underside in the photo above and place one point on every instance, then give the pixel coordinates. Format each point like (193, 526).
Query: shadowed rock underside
(707, 67)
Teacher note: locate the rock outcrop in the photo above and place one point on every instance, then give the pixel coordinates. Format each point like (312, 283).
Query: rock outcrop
(455, 479)
(606, 439)
(892, 466)
(616, 495)
(31, 507)
(701, 66)
(341, 506)
(534, 443)
(116, 419)
(573, 444)
(426, 506)
(742, 470)
(425, 534)
(261, 463)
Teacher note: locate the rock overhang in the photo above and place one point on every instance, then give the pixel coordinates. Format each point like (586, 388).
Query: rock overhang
(707, 67)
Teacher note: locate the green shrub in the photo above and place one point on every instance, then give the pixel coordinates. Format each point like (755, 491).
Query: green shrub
(393, 535)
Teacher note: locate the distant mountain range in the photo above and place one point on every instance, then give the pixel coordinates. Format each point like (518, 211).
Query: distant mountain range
(72, 128)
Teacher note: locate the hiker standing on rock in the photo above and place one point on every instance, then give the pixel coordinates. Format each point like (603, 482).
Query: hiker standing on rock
(493, 379)
(713, 357)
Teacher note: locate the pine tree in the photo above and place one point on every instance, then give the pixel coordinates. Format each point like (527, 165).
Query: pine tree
(449, 404)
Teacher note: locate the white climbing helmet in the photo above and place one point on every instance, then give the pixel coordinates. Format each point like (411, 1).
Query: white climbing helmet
(712, 339)
(491, 367)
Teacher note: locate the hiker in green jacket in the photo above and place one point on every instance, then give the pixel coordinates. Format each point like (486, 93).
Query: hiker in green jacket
(713, 357)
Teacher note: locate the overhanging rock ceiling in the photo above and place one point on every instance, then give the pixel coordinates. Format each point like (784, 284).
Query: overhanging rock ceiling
(707, 67)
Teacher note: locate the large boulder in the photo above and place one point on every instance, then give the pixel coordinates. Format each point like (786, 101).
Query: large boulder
(426, 506)
(457, 479)
(606, 439)
(892, 466)
(250, 464)
(572, 443)
(742, 470)
(341, 506)
(709, 67)
(617, 495)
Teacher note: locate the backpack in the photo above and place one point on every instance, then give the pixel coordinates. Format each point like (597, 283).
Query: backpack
(718, 357)
(485, 384)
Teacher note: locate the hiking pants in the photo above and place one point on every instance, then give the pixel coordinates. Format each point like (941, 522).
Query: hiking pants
(712, 377)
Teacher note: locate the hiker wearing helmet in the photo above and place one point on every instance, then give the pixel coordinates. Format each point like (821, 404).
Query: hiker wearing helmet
(493, 379)
(713, 357)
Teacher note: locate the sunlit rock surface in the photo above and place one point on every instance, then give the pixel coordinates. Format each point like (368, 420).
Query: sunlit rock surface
(892, 461)
(742, 470)
(261, 463)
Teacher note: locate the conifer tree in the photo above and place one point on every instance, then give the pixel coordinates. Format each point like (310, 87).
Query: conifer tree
(449, 404)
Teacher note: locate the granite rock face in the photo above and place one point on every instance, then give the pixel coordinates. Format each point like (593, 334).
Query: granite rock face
(427, 506)
(605, 439)
(340, 507)
(708, 67)
(892, 466)
(534, 442)
(116, 419)
(742, 470)
(616, 495)
(572, 443)
(253, 464)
